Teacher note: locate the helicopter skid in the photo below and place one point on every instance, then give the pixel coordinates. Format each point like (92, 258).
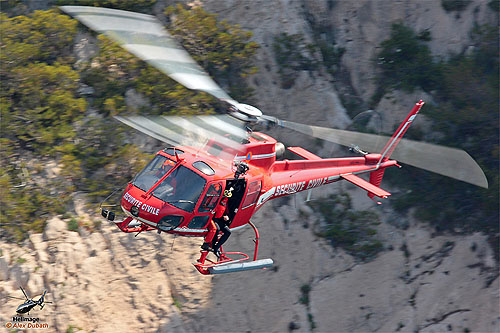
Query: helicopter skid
(241, 266)
(205, 265)
(225, 264)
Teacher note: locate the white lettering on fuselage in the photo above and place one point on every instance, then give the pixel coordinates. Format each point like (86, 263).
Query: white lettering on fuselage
(299, 186)
(150, 209)
(316, 182)
(130, 199)
(292, 188)
(289, 188)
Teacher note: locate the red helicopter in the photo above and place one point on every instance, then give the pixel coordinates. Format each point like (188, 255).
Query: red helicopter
(212, 157)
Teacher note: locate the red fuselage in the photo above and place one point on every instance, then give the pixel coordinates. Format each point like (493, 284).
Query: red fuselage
(178, 191)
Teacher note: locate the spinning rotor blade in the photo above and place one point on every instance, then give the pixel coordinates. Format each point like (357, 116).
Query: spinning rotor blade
(24, 292)
(192, 131)
(450, 162)
(15, 297)
(144, 36)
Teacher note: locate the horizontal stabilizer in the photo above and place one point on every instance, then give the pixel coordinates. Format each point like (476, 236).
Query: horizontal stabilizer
(304, 153)
(366, 185)
(241, 266)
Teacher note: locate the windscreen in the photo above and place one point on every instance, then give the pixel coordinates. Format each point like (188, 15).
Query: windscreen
(153, 172)
(181, 188)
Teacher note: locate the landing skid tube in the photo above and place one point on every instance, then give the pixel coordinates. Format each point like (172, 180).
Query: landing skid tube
(226, 263)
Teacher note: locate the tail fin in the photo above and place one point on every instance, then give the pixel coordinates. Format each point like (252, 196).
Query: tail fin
(377, 175)
(393, 142)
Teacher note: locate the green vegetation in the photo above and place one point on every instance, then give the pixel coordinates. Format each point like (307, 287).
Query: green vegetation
(130, 5)
(43, 36)
(494, 5)
(406, 62)
(331, 55)
(292, 55)
(455, 5)
(45, 118)
(20, 260)
(71, 328)
(305, 289)
(310, 319)
(324, 44)
(72, 224)
(349, 229)
(466, 116)
(223, 50)
(177, 303)
(304, 298)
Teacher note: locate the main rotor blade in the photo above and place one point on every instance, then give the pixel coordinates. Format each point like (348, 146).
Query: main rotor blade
(191, 131)
(24, 292)
(15, 297)
(450, 162)
(144, 36)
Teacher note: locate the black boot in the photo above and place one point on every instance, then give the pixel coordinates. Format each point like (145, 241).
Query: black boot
(205, 246)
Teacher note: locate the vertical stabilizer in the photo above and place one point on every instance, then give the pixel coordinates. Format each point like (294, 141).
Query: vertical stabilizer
(393, 142)
(377, 175)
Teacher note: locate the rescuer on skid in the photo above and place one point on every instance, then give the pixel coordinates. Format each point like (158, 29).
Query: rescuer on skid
(220, 222)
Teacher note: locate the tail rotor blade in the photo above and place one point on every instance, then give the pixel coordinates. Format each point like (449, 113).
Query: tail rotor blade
(450, 162)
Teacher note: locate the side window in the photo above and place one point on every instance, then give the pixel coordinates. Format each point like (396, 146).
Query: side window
(210, 200)
(198, 222)
(253, 192)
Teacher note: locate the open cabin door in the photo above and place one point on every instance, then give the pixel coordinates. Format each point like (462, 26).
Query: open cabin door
(239, 188)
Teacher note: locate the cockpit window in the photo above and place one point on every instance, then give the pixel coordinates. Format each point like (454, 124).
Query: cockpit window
(204, 167)
(211, 198)
(181, 188)
(172, 151)
(156, 169)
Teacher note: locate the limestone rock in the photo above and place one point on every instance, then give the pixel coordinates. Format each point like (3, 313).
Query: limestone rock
(4, 269)
(40, 247)
(54, 229)
(19, 275)
(35, 285)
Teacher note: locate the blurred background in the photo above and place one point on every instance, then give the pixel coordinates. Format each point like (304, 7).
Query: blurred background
(426, 260)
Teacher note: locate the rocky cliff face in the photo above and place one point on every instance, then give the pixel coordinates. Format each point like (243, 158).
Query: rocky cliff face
(360, 27)
(356, 26)
(103, 281)
(109, 281)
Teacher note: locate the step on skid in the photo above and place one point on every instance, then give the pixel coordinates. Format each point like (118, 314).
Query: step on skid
(229, 262)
